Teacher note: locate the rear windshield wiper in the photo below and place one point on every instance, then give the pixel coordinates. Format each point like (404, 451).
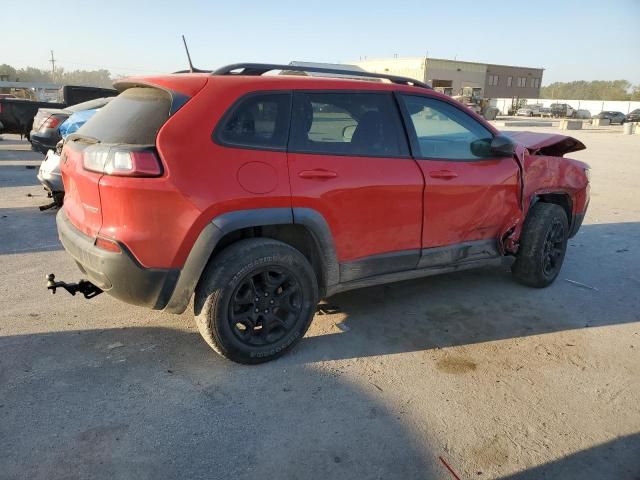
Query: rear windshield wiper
(77, 137)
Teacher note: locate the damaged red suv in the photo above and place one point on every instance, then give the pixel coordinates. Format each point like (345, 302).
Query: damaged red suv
(258, 195)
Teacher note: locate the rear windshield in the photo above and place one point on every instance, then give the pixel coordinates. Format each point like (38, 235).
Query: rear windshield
(133, 117)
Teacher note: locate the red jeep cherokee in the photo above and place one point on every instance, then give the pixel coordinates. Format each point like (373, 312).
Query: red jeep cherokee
(261, 194)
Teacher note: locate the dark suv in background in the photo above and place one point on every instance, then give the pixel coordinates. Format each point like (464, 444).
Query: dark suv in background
(633, 116)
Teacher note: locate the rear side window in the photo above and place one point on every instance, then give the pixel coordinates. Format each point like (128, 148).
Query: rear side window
(256, 121)
(133, 117)
(346, 123)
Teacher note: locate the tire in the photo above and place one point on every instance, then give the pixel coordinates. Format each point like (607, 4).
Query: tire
(256, 300)
(543, 245)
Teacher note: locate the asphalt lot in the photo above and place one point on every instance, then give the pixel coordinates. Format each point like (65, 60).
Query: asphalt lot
(495, 379)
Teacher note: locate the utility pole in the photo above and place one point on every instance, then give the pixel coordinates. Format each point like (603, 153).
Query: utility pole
(53, 67)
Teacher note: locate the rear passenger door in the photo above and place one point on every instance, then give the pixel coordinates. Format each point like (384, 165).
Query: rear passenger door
(349, 160)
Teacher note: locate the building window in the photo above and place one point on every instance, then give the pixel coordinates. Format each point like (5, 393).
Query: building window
(493, 80)
(522, 82)
(509, 81)
(536, 83)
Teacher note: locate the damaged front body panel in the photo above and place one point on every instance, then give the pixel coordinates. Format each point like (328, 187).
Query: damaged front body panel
(548, 177)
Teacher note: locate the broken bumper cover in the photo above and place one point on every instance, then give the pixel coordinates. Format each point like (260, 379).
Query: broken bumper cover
(118, 274)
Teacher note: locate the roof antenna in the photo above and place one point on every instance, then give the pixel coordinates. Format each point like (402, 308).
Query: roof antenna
(191, 69)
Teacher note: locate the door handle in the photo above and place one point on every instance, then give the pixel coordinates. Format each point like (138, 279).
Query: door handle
(317, 174)
(443, 174)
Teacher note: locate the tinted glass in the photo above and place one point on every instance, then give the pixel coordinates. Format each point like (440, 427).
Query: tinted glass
(364, 124)
(133, 117)
(258, 121)
(442, 130)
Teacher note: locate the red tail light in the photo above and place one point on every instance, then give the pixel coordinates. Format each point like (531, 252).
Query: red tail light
(120, 162)
(51, 122)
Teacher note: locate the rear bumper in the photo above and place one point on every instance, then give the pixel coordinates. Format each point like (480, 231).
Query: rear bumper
(118, 274)
(42, 143)
(49, 173)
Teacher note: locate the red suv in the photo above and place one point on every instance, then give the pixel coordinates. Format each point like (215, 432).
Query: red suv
(258, 195)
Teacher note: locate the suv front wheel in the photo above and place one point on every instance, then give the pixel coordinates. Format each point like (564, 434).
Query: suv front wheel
(543, 244)
(256, 300)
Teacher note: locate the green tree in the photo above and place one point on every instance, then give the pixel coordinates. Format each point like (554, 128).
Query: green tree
(594, 90)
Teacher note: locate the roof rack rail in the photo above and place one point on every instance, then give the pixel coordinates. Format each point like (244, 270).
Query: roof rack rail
(262, 68)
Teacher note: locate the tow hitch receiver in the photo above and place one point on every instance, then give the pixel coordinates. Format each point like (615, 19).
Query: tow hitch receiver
(86, 288)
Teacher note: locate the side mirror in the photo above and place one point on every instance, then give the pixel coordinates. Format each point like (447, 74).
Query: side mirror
(481, 147)
(502, 146)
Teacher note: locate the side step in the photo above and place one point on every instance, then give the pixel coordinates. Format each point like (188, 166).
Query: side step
(86, 288)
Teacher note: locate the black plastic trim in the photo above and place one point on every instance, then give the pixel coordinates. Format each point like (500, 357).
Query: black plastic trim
(405, 275)
(379, 264)
(228, 222)
(118, 274)
(321, 231)
(257, 69)
(193, 267)
(458, 253)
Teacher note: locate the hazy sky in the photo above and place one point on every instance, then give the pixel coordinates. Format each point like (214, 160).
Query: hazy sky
(572, 40)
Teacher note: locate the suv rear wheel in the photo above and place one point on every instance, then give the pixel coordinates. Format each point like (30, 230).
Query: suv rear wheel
(543, 244)
(256, 300)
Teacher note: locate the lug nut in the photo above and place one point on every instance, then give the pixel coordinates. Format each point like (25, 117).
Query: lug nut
(266, 311)
(257, 299)
(257, 310)
(266, 294)
(271, 302)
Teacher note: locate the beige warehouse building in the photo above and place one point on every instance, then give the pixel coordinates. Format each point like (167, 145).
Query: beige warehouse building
(452, 76)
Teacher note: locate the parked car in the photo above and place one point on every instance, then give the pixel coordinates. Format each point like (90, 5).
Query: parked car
(582, 114)
(524, 112)
(16, 114)
(44, 134)
(49, 172)
(633, 116)
(612, 116)
(561, 110)
(237, 189)
(545, 112)
(7, 95)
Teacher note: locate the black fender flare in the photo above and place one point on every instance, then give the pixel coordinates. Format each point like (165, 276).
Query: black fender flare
(226, 223)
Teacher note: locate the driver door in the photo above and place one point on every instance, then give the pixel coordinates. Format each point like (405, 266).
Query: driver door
(467, 197)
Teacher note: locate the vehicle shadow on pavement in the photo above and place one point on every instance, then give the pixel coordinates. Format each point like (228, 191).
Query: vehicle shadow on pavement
(158, 403)
(619, 458)
(27, 229)
(487, 304)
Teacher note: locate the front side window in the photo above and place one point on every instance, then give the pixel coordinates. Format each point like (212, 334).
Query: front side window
(445, 132)
(257, 121)
(345, 123)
